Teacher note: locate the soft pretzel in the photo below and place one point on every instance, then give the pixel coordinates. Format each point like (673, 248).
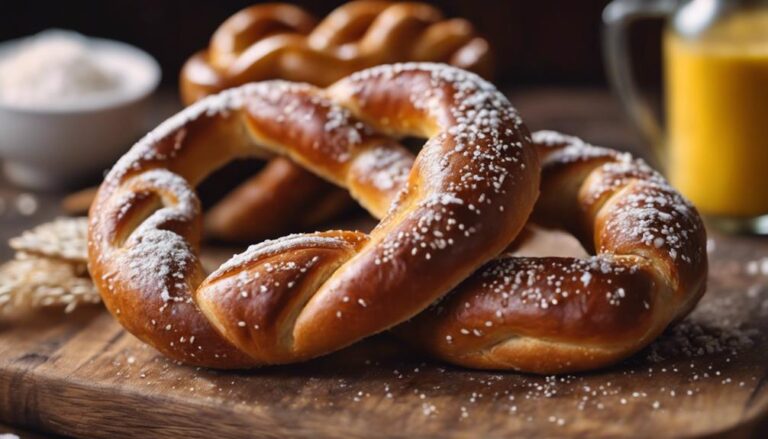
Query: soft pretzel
(550, 315)
(281, 41)
(465, 198)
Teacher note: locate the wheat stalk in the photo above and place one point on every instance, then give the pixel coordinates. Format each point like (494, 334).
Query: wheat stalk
(49, 269)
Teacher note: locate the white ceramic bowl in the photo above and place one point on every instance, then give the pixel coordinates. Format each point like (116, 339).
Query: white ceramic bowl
(56, 146)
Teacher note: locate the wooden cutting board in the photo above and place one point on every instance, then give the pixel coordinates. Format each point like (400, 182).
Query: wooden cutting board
(82, 375)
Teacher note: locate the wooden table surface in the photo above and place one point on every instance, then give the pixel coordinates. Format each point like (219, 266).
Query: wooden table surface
(82, 375)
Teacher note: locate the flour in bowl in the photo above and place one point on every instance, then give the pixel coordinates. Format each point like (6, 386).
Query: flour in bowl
(54, 66)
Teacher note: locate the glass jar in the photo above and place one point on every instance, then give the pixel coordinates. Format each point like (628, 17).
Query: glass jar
(714, 144)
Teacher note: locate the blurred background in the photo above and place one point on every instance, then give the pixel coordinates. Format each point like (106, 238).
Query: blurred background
(536, 42)
(548, 60)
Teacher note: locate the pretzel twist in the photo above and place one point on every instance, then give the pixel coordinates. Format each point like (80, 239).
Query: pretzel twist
(465, 198)
(281, 41)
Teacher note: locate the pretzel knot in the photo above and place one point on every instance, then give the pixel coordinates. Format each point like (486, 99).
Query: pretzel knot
(281, 41)
(455, 207)
(447, 217)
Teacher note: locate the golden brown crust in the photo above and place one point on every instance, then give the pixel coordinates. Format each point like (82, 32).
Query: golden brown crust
(314, 293)
(281, 41)
(463, 201)
(553, 315)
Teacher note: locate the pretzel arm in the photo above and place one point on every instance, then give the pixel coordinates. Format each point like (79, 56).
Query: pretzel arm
(552, 315)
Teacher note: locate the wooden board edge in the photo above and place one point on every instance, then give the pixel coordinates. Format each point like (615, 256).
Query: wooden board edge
(53, 405)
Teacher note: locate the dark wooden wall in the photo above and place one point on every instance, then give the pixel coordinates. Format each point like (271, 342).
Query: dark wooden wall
(538, 41)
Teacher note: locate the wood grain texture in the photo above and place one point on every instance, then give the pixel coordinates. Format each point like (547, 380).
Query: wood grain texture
(82, 375)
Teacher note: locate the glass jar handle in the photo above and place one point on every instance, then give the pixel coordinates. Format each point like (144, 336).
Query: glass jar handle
(617, 16)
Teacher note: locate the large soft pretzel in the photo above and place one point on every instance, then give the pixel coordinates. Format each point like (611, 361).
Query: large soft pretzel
(466, 197)
(282, 41)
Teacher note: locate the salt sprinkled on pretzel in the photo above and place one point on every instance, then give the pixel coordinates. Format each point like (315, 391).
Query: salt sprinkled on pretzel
(552, 315)
(467, 196)
(304, 295)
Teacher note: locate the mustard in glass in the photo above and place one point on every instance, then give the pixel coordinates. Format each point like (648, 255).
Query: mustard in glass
(714, 147)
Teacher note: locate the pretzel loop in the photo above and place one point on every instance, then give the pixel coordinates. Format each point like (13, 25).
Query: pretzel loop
(553, 315)
(251, 24)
